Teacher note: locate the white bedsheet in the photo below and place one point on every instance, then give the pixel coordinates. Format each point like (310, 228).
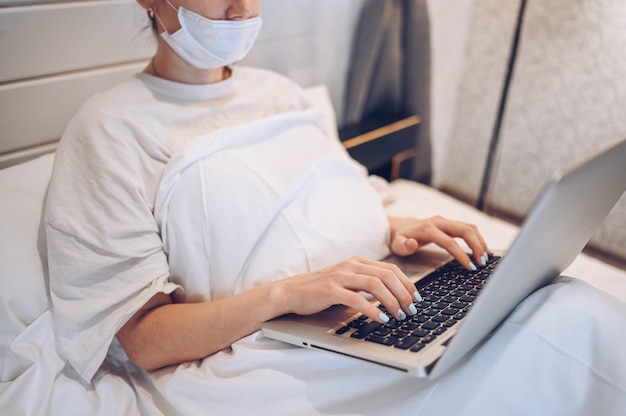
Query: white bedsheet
(541, 361)
(263, 201)
(559, 353)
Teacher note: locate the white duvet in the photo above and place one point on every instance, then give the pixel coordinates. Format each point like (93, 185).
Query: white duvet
(263, 201)
(557, 354)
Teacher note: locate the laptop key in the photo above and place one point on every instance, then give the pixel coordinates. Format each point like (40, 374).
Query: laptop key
(440, 330)
(430, 298)
(449, 299)
(417, 347)
(366, 330)
(393, 324)
(342, 330)
(357, 323)
(382, 331)
(430, 325)
(420, 332)
(382, 340)
(410, 325)
(440, 318)
(418, 319)
(400, 333)
(407, 343)
(450, 311)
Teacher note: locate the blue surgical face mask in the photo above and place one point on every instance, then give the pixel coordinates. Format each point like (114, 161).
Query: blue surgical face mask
(204, 43)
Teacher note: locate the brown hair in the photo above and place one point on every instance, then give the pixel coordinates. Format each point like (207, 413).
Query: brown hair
(153, 23)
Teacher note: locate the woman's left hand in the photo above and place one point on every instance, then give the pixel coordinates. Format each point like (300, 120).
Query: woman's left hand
(409, 234)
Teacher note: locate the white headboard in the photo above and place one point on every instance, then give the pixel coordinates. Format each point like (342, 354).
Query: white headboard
(56, 54)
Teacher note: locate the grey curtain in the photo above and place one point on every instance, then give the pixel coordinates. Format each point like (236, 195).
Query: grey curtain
(390, 70)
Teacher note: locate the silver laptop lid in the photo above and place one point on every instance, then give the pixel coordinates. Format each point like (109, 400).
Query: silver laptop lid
(561, 223)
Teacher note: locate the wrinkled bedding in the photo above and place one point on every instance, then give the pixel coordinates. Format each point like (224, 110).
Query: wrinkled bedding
(558, 353)
(263, 201)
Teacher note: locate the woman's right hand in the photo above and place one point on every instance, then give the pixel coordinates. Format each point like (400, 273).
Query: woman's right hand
(164, 333)
(340, 283)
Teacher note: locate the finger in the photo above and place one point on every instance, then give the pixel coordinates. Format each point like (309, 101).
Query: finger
(448, 243)
(470, 234)
(375, 287)
(488, 252)
(359, 303)
(394, 283)
(404, 246)
(391, 274)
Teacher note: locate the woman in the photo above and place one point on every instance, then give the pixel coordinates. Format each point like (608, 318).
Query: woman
(113, 271)
(196, 200)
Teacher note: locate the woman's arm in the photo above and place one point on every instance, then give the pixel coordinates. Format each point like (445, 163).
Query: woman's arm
(164, 333)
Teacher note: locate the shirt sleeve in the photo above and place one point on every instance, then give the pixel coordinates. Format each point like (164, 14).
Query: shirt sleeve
(104, 250)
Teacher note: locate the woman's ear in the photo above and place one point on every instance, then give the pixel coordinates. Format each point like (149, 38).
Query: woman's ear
(146, 4)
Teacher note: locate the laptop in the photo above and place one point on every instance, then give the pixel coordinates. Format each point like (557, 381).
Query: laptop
(461, 309)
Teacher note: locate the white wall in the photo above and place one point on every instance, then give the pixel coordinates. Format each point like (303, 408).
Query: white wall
(310, 62)
(309, 41)
(449, 23)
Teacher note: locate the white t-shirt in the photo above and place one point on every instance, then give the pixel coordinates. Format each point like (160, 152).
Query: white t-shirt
(106, 255)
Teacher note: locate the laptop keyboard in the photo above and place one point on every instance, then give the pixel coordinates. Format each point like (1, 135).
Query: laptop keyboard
(448, 294)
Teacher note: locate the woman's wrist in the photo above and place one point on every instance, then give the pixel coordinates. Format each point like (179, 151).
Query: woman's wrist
(277, 299)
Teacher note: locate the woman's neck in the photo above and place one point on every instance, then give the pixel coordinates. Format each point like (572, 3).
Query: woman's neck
(168, 65)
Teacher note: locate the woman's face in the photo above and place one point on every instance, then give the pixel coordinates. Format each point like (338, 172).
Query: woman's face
(212, 9)
(221, 9)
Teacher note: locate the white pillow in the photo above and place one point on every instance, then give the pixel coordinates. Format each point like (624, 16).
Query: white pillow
(23, 293)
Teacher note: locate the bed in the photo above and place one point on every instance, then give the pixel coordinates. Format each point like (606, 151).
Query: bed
(35, 380)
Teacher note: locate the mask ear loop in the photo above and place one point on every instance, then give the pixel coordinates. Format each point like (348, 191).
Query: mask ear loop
(153, 14)
(172, 6)
(156, 16)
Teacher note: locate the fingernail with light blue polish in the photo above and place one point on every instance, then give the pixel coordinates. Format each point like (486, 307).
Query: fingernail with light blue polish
(483, 259)
(417, 296)
(383, 317)
(473, 266)
(401, 314)
(412, 309)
